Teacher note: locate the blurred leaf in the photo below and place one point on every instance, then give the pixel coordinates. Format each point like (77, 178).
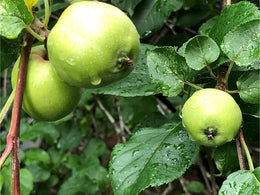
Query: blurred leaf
(152, 156)
(39, 130)
(225, 158)
(9, 49)
(243, 44)
(14, 16)
(150, 15)
(249, 82)
(36, 154)
(137, 83)
(232, 16)
(1, 181)
(206, 27)
(132, 109)
(95, 147)
(195, 186)
(163, 64)
(56, 156)
(39, 171)
(201, 51)
(191, 17)
(26, 181)
(78, 184)
(251, 126)
(241, 182)
(71, 135)
(126, 5)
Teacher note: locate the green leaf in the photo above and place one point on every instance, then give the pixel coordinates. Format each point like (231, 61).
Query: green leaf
(71, 135)
(39, 129)
(1, 181)
(14, 17)
(39, 171)
(257, 173)
(206, 27)
(150, 15)
(232, 16)
(95, 147)
(26, 181)
(249, 82)
(201, 51)
(126, 5)
(36, 154)
(9, 49)
(240, 182)
(195, 186)
(243, 44)
(78, 184)
(132, 109)
(163, 64)
(138, 83)
(225, 158)
(152, 156)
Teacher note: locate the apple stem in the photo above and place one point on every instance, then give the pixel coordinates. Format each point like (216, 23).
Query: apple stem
(14, 133)
(248, 156)
(48, 7)
(240, 155)
(41, 39)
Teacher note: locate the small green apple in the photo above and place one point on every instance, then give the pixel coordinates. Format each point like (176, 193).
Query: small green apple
(93, 44)
(46, 97)
(211, 117)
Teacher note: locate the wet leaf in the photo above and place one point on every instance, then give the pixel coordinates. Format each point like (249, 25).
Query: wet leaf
(249, 82)
(241, 182)
(152, 156)
(206, 27)
(163, 64)
(232, 16)
(138, 83)
(150, 15)
(201, 51)
(14, 16)
(126, 5)
(243, 44)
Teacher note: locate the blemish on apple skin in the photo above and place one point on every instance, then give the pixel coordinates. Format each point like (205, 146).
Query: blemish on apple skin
(211, 132)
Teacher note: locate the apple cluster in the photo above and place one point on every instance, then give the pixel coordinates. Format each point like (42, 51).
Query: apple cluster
(93, 44)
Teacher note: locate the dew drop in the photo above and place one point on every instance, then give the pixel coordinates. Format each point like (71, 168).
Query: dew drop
(95, 80)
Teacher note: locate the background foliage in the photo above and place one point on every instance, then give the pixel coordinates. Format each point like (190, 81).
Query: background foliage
(127, 137)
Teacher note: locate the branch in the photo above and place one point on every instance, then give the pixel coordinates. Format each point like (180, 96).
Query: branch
(240, 155)
(13, 135)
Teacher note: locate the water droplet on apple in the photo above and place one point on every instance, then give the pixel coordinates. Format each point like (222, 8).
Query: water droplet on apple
(95, 80)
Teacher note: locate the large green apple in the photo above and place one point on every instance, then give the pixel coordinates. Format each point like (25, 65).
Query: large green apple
(93, 44)
(211, 117)
(46, 97)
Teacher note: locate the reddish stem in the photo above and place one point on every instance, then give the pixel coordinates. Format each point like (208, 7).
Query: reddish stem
(240, 155)
(14, 133)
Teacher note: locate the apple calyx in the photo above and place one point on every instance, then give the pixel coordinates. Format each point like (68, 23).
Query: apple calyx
(211, 132)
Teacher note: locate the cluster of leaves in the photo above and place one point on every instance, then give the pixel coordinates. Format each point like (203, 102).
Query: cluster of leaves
(80, 154)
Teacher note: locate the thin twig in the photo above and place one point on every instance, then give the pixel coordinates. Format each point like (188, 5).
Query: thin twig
(204, 173)
(183, 184)
(212, 172)
(240, 155)
(111, 119)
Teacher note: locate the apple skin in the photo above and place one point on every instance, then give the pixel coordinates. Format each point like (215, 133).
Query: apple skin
(46, 97)
(87, 44)
(211, 117)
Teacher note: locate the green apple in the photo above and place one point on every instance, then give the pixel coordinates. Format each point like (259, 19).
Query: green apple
(93, 44)
(211, 117)
(46, 97)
